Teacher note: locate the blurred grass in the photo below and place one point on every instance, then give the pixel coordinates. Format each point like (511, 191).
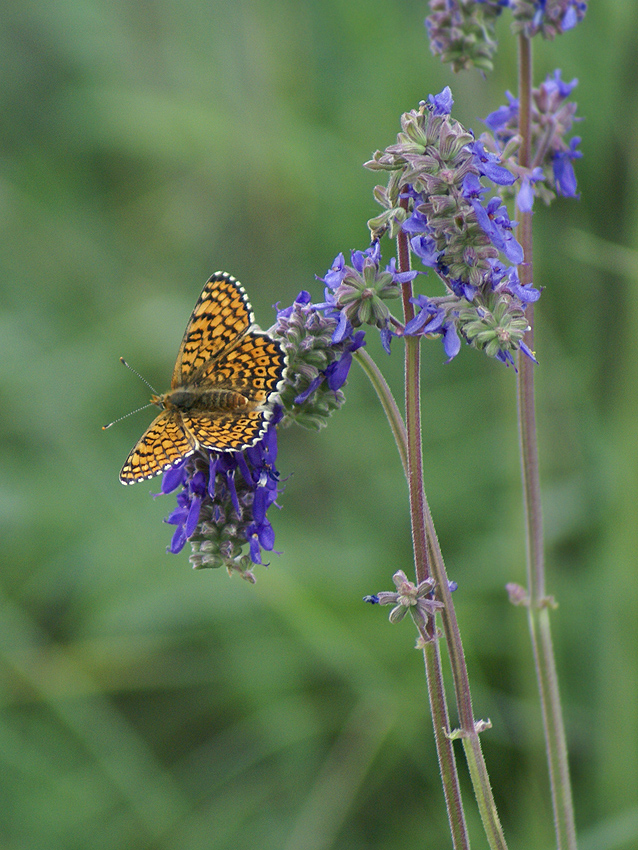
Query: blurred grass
(146, 706)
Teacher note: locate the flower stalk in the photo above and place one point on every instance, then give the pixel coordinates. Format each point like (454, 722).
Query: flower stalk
(536, 600)
(431, 653)
(428, 560)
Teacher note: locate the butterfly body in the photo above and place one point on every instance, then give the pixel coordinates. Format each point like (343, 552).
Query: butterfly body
(225, 383)
(196, 398)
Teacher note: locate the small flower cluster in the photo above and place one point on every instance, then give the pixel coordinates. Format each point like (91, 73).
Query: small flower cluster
(435, 196)
(356, 294)
(417, 600)
(547, 17)
(461, 32)
(223, 502)
(552, 170)
(319, 344)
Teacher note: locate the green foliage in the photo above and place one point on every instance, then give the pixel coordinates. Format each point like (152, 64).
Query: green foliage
(144, 705)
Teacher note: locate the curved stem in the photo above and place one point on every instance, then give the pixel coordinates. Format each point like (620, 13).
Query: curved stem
(387, 400)
(538, 613)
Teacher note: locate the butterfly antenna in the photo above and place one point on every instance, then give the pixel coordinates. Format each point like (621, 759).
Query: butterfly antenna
(135, 372)
(126, 415)
(150, 404)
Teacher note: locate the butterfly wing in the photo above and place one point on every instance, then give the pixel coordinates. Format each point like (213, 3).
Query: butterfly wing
(221, 316)
(254, 367)
(163, 443)
(227, 430)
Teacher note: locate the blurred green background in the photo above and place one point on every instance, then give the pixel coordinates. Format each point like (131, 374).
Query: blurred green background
(143, 705)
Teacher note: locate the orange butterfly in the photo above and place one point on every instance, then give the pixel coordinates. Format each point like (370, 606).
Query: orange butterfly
(226, 380)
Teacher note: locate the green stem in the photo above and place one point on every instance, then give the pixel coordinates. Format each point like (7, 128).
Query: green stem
(538, 611)
(387, 401)
(468, 731)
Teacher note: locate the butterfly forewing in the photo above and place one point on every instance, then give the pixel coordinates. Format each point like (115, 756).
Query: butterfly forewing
(221, 316)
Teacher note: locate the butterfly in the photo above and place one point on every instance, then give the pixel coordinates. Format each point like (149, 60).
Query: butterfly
(226, 380)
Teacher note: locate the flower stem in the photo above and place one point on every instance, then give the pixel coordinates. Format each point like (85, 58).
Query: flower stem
(387, 400)
(469, 731)
(427, 555)
(538, 608)
(431, 652)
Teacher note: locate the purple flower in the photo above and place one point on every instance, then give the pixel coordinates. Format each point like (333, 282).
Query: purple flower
(373, 253)
(525, 195)
(442, 103)
(335, 273)
(504, 114)
(399, 277)
(527, 351)
(425, 249)
(173, 477)
(451, 341)
(429, 319)
(260, 532)
(553, 85)
(488, 165)
(472, 187)
(337, 372)
(416, 223)
(386, 335)
(432, 320)
(564, 174)
(496, 224)
(463, 289)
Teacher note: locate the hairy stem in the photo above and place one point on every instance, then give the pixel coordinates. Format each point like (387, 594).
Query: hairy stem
(538, 612)
(431, 653)
(428, 559)
(387, 401)
(422, 524)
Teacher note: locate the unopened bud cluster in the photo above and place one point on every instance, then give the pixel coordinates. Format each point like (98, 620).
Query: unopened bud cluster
(462, 32)
(549, 19)
(318, 364)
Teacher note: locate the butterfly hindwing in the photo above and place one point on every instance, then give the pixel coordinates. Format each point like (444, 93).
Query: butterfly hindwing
(221, 316)
(254, 367)
(228, 430)
(163, 443)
